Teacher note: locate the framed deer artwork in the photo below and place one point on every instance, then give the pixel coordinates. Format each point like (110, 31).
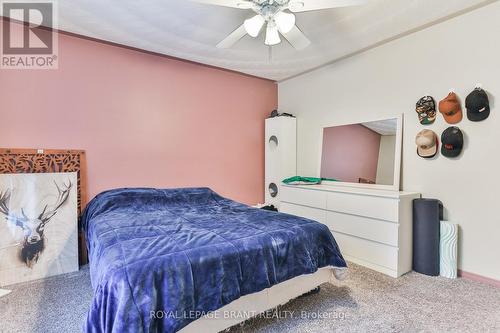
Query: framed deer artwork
(46, 163)
(38, 234)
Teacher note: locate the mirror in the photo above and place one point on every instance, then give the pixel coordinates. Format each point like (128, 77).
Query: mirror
(363, 153)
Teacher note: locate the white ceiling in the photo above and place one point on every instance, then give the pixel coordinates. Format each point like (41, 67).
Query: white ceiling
(188, 30)
(383, 127)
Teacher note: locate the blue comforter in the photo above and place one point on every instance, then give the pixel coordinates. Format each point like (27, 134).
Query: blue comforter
(160, 259)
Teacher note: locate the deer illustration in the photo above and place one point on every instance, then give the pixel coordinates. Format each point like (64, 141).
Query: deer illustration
(33, 228)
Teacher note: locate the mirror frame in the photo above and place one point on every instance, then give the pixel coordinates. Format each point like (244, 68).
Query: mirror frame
(397, 158)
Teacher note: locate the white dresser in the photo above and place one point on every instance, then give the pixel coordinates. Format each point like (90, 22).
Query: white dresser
(372, 227)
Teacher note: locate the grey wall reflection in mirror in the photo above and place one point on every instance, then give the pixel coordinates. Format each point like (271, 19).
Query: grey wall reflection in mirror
(360, 153)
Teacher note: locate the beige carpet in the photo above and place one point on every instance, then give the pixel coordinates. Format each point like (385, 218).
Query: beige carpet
(372, 302)
(366, 302)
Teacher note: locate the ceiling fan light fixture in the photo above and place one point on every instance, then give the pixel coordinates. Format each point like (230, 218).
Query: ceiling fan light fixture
(254, 25)
(298, 5)
(285, 22)
(272, 34)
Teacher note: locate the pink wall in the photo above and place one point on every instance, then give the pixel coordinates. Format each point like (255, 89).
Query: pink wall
(350, 152)
(144, 120)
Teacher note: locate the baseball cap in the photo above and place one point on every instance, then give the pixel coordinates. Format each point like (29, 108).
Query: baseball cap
(478, 105)
(427, 143)
(451, 109)
(426, 110)
(452, 142)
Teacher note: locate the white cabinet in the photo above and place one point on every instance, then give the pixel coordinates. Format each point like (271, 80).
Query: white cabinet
(318, 215)
(364, 227)
(372, 227)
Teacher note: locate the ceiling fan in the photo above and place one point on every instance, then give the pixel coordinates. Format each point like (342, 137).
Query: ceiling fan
(277, 16)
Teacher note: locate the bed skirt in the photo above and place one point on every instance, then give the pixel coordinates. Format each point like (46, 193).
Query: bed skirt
(252, 305)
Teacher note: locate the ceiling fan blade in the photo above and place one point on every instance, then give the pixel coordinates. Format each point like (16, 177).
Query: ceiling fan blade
(298, 6)
(233, 38)
(241, 4)
(297, 38)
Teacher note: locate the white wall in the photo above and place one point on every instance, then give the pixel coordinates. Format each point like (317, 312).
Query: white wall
(387, 81)
(385, 165)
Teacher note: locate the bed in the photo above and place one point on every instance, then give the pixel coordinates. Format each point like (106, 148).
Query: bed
(163, 259)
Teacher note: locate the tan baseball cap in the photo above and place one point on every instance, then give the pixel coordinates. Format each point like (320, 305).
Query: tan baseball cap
(427, 143)
(451, 109)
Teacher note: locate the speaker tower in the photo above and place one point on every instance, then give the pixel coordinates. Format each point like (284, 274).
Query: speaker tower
(280, 155)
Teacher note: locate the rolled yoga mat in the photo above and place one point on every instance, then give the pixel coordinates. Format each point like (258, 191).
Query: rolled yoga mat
(448, 250)
(427, 213)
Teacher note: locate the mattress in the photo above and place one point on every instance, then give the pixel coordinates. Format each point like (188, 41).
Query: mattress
(186, 252)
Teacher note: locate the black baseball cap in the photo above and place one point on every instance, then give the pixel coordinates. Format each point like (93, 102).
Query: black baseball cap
(478, 105)
(452, 142)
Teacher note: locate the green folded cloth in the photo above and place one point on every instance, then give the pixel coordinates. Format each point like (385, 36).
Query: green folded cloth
(298, 180)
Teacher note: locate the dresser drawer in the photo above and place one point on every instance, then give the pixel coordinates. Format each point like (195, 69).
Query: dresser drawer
(376, 253)
(304, 197)
(364, 227)
(363, 205)
(315, 214)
